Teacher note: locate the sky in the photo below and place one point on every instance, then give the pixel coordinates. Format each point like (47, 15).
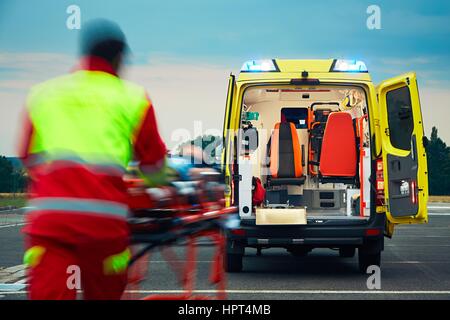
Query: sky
(183, 51)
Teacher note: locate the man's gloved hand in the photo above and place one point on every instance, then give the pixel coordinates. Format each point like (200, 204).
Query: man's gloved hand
(157, 178)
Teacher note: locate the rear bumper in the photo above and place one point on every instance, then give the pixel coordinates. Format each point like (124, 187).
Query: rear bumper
(316, 242)
(328, 233)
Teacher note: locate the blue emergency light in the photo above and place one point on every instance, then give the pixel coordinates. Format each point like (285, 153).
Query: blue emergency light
(266, 65)
(340, 65)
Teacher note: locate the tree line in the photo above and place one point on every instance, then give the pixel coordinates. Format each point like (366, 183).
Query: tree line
(13, 178)
(438, 154)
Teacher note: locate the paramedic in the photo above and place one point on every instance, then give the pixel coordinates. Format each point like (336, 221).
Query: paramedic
(80, 132)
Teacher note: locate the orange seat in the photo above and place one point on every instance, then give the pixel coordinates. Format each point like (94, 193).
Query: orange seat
(286, 167)
(338, 154)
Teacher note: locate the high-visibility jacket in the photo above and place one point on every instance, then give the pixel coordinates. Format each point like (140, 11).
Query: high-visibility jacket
(82, 130)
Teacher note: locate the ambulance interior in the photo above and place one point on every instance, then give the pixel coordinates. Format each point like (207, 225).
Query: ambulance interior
(309, 149)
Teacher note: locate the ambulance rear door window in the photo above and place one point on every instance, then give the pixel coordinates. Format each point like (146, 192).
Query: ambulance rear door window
(400, 118)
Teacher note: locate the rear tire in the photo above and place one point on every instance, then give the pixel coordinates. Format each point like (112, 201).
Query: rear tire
(368, 259)
(233, 262)
(347, 252)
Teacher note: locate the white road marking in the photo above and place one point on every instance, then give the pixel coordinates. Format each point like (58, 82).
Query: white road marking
(439, 207)
(176, 261)
(13, 269)
(12, 225)
(255, 291)
(23, 281)
(12, 275)
(418, 245)
(414, 262)
(8, 287)
(401, 235)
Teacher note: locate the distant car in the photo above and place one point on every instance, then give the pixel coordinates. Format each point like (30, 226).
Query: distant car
(341, 161)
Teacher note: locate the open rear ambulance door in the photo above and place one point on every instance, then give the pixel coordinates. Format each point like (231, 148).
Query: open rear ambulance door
(227, 139)
(404, 156)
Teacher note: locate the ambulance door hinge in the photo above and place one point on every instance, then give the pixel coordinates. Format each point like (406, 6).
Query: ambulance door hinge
(237, 177)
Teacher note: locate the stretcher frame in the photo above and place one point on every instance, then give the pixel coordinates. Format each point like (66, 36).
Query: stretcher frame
(187, 224)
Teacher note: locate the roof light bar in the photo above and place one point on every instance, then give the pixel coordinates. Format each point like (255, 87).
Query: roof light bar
(266, 65)
(340, 65)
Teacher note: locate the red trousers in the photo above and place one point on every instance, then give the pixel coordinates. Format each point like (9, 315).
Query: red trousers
(61, 269)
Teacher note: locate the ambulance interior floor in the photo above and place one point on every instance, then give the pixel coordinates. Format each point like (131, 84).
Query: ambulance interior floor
(331, 213)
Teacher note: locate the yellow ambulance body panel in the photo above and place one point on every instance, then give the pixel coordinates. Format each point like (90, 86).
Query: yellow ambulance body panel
(393, 109)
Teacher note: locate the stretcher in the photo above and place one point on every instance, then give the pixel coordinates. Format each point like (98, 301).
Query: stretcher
(183, 213)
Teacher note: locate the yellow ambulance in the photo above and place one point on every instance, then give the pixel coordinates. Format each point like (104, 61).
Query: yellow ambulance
(317, 156)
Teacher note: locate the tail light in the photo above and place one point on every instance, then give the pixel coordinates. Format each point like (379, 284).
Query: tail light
(413, 192)
(238, 232)
(373, 232)
(379, 183)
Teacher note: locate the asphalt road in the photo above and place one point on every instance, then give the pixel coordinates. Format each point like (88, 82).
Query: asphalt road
(415, 265)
